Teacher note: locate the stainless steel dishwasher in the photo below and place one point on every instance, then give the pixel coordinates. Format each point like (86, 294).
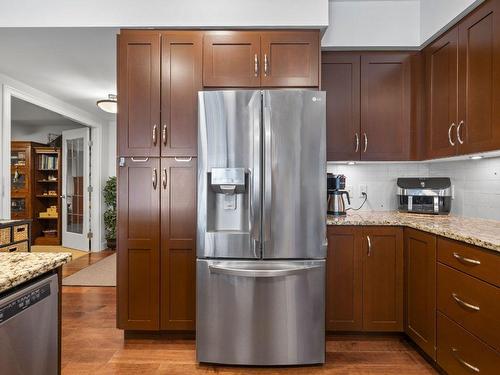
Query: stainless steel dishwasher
(29, 329)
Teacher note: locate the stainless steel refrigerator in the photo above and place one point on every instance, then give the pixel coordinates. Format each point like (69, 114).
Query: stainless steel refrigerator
(261, 231)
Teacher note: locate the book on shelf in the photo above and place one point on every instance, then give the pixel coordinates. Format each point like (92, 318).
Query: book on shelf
(48, 162)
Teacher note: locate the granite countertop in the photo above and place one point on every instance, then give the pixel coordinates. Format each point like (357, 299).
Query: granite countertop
(16, 268)
(479, 232)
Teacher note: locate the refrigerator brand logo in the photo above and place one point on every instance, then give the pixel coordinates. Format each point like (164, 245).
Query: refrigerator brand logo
(315, 99)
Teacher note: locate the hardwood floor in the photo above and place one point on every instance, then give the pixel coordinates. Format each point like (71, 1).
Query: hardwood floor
(92, 345)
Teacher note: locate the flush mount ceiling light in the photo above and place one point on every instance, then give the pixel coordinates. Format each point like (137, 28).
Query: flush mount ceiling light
(108, 105)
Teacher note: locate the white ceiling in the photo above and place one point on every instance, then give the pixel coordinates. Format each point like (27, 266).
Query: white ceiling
(28, 114)
(76, 65)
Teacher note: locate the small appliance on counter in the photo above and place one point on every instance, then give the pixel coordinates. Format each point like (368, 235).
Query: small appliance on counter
(426, 195)
(336, 192)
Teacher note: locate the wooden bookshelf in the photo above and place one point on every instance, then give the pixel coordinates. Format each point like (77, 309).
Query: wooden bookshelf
(22, 182)
(48, 195)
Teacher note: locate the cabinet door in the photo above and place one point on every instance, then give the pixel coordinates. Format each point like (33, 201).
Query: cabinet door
(178, 251)
(139, 93)
(385, 106)
(231, 59)
(344, 279)
(340, 73)
(420, 282)
(382, 279)
(290, 58)
(442, 90)
(181, 81)
(138, 245)
(479, 80)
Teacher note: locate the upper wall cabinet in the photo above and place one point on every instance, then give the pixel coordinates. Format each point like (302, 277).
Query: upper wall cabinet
(479, 80)
(369, 104)
(159, 77)
(138, 93)
(463, 86)
(255, 59)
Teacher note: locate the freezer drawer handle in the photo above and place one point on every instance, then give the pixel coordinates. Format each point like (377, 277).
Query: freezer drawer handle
(221, 270)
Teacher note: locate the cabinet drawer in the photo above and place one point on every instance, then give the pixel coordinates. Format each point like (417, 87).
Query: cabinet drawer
(18, 247)
(470, 259)
(472, 303)
(459, 352)
(20, 232)
(5, 236)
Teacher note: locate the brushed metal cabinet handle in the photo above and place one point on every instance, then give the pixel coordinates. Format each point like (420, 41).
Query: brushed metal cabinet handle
(139, 160)
(465, 260)
(369, 240)
(356, 137)
(449, 134)
(459, 138)
(154, 178)
(164, 134)
(266, 64)
(164, 178)
(183, 160)
(256, 65)
(154, 134)
(464, 363)
(467, 305)
(366, 142)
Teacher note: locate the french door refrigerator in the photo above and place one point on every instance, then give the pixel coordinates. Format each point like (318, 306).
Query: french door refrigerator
(261, 230)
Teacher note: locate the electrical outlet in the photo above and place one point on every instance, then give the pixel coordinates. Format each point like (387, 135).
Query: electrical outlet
(363, 188)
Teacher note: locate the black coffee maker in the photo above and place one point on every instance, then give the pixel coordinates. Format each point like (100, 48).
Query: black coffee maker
(336, 192)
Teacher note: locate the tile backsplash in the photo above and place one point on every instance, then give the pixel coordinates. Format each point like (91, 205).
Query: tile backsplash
(476, 184)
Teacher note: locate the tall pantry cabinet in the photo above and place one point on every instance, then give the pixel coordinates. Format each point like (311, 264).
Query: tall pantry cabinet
(159, 76)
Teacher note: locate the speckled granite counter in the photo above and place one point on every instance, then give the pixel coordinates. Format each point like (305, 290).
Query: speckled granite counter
(479, 232)
(16, 268)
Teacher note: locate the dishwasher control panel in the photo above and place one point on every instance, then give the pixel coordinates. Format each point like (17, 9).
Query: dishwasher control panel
(28, 299)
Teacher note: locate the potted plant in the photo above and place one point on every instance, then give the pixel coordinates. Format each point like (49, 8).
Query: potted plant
(110, 213)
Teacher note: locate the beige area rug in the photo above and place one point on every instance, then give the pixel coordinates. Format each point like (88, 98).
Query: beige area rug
(58, 249)
(102, 273)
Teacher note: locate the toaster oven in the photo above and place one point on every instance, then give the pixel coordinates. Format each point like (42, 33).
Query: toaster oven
(427, 195)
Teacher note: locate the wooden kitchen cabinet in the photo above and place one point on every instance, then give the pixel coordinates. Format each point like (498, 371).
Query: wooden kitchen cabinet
(442, 95)
(371, 99)
(290, 58)
(344, 279)
(138, 246)
(364, 289)
(341, 80)
(385, 106)
(181, 72)
(178, 244)
(231, 59)
(382, 279)
(138, 93)
(479, 80)
(420, 289)
(261, 59)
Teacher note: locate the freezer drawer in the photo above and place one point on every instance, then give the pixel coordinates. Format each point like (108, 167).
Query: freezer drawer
(260, 312)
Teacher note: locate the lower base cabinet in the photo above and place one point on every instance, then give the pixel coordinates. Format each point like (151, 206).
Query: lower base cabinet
(420, 288)
(364, 279)
(156, 287)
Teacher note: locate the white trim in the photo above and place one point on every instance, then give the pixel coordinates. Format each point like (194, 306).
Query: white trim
(12, 88)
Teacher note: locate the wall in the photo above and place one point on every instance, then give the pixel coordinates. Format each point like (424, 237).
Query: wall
(24, 132)
(161, 13)
(436, 15)
(476, 184)
(373, 24)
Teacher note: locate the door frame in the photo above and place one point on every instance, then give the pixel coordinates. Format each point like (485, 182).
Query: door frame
(16, 89)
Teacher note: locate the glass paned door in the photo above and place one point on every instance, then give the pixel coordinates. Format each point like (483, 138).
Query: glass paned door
(75, 196)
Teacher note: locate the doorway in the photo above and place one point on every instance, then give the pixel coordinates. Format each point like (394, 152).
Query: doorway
(51, 155)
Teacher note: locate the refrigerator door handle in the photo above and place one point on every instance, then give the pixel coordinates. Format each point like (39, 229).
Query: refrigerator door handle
(256, 272)
(267, 173)
(255, 175)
